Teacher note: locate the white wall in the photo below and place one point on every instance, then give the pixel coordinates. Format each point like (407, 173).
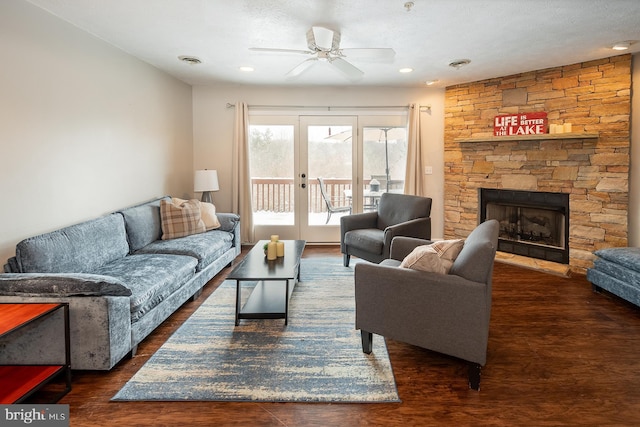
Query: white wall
(213, 126)
(85, 129)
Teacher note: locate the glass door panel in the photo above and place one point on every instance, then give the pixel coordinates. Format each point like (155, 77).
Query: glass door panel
(384, 162)
(327, 149)
(273, 188)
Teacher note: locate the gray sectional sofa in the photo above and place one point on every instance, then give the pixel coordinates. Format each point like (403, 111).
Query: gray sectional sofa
(120, 278)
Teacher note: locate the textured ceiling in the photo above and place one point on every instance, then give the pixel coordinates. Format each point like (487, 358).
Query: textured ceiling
(500, 37)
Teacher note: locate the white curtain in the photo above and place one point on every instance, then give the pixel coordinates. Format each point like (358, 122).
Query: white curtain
(414, 178)
(241, 177)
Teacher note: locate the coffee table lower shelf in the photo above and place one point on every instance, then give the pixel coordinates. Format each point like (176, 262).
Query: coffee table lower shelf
(267, 300)
(19, 382)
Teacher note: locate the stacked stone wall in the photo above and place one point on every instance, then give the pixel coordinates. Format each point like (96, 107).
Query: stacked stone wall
(595, 97)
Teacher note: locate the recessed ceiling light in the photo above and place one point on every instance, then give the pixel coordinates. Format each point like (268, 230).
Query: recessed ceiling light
(192, 60)
(246, 69)
(459, 63)
(430, 82)
(405, 70)
(624, 45)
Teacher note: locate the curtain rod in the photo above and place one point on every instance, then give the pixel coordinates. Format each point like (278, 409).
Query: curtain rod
(330, 108)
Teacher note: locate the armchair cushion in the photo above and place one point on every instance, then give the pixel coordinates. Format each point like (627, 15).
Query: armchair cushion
(437, 257)
(398, 208)
(368, 239)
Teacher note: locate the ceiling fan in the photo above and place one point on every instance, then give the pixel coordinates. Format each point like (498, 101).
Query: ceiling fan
(324, 45)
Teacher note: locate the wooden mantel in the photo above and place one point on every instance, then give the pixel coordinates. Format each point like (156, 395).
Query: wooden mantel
(544, 136)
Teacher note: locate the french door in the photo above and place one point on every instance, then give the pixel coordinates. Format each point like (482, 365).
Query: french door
(307, 171)
(327, 170)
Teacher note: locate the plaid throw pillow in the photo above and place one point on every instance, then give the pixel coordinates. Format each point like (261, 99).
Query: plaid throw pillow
(437, 257)
(207, 213)
(180, 220)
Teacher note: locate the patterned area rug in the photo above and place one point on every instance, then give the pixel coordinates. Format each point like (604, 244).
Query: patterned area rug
(317, 357)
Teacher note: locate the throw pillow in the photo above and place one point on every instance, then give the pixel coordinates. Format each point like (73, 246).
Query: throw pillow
(437, 257)
(180, 220)
(207, 213)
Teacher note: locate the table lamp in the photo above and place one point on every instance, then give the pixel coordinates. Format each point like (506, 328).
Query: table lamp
(206, 181)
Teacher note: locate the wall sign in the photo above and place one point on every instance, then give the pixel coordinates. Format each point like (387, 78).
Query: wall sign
(520, 124)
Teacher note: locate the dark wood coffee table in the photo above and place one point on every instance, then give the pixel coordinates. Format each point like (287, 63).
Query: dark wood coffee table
(276, 281)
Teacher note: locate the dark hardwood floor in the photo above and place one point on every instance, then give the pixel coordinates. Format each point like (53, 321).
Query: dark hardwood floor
(559, 354)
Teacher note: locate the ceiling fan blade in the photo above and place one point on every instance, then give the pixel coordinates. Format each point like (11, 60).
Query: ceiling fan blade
(275, 50)
(373, 54)
(301, 67)
(351, 71)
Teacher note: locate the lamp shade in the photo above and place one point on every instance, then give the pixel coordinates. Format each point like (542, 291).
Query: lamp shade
(205, 180)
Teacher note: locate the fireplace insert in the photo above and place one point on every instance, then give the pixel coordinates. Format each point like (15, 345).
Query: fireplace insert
(532, 223)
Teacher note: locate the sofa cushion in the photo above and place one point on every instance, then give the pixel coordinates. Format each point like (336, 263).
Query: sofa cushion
(368, 239)
(150, 277)
(228, 221)
(206, 247)
(80, 248)
(435, 258)
(61, 285)
(180, 220)
(627, 257)
(142, 223)
(619, 271)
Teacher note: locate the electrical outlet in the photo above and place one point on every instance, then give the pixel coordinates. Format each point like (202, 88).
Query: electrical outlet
(428, 170)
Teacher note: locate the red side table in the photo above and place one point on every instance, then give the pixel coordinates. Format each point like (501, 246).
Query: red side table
(21, 381)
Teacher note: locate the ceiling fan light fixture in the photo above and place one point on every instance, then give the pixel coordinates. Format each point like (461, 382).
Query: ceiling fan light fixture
(322, 38)
(431, 82)
(191, 60)
(406, 70)
(459, 63)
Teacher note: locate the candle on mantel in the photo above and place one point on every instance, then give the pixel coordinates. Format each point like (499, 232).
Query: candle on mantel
(567, 128)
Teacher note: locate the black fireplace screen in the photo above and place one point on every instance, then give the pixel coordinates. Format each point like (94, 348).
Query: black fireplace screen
(533, 224)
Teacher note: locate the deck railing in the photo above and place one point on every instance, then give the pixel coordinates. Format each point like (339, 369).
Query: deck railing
(277, 194)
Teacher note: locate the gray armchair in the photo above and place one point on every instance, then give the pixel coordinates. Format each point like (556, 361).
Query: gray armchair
(368, 235)
(447, 313)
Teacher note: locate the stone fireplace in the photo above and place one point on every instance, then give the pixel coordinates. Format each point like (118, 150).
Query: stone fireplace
(532, 223)
(590, 166)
